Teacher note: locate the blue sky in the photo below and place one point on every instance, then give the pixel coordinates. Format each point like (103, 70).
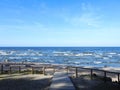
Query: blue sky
(59, 23)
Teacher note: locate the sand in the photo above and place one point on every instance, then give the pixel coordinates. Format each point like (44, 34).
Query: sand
(24, 82)
(113, 76)
(82, 82)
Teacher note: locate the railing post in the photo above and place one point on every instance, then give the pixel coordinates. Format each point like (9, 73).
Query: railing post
(53, 69)
(19, 69)
(104, 76)
(91, 73)
(67, 69)
(76, 72)
(1, 68)
(44, 70)
(118, 77)
(10, 69)
(32, 70)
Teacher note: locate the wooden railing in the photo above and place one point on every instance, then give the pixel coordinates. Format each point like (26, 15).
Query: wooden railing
(44, 68)
(11, 67)
(94, 69)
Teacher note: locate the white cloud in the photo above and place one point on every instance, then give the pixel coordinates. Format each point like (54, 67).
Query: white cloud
(86, 19)
(88, 16)
(33, 26)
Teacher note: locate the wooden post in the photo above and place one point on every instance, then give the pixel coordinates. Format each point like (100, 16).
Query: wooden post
(44, 70)
(19, 69)
(118, 77)
(32, 70)
(10, 69)
(76, 72)
(53, 70)
(104, 76)
(1, 68)
(91, 73)
(67, 70)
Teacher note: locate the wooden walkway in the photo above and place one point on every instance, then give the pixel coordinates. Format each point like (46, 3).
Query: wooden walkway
(61, 81)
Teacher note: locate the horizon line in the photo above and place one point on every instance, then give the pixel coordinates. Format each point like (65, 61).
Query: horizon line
(59, 46)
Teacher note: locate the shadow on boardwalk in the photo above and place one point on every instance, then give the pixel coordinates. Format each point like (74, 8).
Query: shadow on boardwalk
(61, 81)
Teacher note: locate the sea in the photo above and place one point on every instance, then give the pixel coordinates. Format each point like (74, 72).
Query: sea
(71, 56)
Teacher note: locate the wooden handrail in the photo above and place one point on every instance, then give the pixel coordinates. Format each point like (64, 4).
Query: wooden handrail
(76, 69)
(91, 70)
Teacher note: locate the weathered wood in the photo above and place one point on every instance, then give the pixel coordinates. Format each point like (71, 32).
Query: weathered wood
(67, 70)
(19, 69)
(118, 77)
(1, 68)
(44, 70)
(61, 81)
(105, 72)
(76, 72)
(53, 69)
(10, 70)
(104, 76)
(32, 70)
(91, 73)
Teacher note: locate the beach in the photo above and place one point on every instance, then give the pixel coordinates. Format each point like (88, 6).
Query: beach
(24, 82)
(16, 76)
(43, 73)
(98, 81)
(84, 83)
(59, 45)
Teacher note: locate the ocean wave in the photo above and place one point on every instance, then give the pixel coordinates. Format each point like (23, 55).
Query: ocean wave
(97, 62)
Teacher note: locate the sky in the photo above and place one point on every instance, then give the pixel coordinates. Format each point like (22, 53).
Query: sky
(60, 23)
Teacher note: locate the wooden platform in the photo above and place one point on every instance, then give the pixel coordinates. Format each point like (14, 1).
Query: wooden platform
(61, 81)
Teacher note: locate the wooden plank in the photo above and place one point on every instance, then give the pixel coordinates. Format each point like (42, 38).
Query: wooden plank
(61, 81)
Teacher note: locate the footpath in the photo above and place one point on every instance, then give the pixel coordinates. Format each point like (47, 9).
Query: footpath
(61, 81)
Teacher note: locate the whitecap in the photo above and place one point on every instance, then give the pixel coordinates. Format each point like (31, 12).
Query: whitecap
(105, 57)
(97, 62)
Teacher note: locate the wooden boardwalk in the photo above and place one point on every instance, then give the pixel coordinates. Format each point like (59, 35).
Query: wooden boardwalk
(61, 81)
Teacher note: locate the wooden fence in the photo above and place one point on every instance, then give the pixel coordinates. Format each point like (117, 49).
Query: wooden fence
(92, 71)
(9, 68)
(43, 68)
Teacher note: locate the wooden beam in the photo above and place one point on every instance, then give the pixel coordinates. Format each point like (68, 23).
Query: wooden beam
(76, 72)
(44, 70)
(91, 73)
(10, 70)
(104, 76)
(32, 70)
(19, 69)
(1, 68)
(118, 77)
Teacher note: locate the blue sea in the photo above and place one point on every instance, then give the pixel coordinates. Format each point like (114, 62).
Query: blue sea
(75, 56)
